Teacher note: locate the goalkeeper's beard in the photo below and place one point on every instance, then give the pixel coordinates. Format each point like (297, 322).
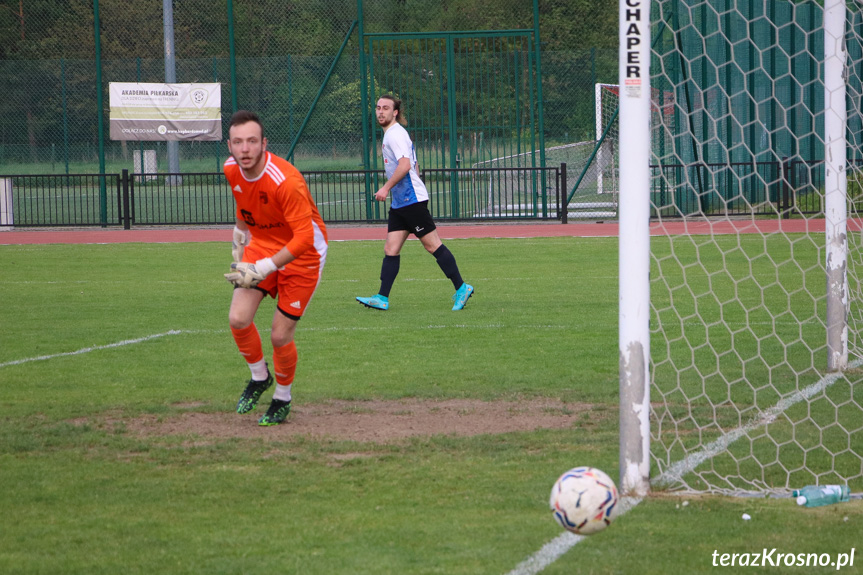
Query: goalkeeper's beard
(251, 165)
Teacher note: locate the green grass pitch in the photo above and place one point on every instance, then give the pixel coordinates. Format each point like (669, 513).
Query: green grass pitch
(81, 493)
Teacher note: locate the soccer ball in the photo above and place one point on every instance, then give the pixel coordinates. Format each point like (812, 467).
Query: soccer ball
(583, 500)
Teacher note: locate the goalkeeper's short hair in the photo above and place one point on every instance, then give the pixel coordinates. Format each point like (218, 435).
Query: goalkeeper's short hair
(241, 117)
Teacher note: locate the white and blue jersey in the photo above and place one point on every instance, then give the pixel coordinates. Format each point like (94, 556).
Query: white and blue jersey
(397, 144)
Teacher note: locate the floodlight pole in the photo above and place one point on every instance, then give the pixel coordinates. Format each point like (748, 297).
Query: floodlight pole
(171, 78)
(634, 246)
(233, 56)
(836, 184)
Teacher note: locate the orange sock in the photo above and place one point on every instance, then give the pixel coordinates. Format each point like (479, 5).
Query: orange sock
(285, 364)
(249, 343)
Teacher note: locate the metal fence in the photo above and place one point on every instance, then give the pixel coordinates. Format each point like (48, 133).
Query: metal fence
(309, 70)
(150, 199)
(61, 200)
(128, 199)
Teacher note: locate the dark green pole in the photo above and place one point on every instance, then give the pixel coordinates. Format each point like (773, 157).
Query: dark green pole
(65, 117)
(103, 192)
(539, 101)
(532, 107)
(453, 137)
(376, 206)
(518, 73)
(233, 56)
(364, 106)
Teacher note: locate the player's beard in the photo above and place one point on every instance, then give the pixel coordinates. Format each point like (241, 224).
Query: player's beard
(386, 122)
(254, 166)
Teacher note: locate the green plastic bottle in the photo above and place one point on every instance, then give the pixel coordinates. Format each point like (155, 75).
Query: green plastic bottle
(818, 495)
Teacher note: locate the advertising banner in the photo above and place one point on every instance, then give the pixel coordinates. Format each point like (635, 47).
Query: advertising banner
(160, 112)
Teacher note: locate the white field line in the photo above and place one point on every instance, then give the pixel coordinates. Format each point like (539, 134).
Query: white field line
(89, 349)
(311, 329)
(554, 549)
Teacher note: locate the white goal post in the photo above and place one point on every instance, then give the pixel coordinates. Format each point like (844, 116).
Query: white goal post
(634, 247)
(740, 252)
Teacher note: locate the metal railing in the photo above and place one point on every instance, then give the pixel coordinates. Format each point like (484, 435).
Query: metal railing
(61, 200)
(467, 194)
(495, 193)
(145, 199)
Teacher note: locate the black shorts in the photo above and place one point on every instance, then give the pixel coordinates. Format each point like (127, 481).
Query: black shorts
(414, 218)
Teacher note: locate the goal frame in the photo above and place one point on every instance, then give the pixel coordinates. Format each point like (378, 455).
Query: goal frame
(634, 247)
(600, 124)
(634, 258)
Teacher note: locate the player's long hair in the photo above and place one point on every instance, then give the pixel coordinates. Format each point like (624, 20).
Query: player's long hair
(397, 106)
(241, 117)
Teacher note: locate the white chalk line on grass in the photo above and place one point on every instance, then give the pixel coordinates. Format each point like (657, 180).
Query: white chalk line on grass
(554, 549)
(94, 348)
(311, 329)
(557, 547)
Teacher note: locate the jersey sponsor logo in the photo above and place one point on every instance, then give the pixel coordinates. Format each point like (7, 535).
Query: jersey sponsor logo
(296, 304)
(238, 189)
(248, 218)
(270, 226)
(250, 221)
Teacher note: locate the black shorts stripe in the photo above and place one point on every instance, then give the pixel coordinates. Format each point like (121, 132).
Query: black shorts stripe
(286, 314)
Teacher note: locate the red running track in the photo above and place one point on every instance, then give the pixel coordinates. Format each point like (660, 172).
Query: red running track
(446, 231)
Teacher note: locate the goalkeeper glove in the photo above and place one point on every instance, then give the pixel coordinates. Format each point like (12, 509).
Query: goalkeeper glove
(248, 275)
(238, 244)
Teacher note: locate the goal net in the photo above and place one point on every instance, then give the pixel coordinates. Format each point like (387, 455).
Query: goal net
(607, 162)
(607, 98)
(500, 180)
(592, 167)
(754, 331)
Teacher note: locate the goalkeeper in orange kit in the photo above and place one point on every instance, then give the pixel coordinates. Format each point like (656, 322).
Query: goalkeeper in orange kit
(279, 249)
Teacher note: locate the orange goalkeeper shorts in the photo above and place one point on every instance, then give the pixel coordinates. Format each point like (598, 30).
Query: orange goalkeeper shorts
(293, 285)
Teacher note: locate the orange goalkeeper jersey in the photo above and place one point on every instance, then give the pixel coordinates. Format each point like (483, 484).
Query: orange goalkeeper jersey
(279, 210)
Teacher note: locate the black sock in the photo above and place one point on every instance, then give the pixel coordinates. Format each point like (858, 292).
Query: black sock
(389, 271)
(446, 261)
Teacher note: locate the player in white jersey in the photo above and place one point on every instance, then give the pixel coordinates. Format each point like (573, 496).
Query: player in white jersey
(409, 212)
(410, 189)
